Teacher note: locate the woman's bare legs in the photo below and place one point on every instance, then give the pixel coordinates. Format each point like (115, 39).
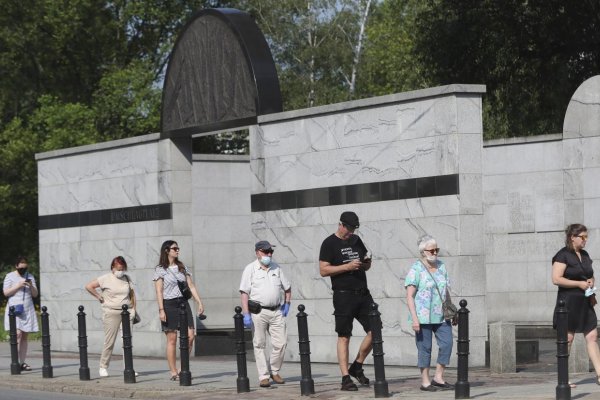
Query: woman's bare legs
(591, 340)
(172, 351)
(22, 342)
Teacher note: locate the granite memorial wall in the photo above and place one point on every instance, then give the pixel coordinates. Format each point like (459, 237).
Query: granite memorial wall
(407, 164)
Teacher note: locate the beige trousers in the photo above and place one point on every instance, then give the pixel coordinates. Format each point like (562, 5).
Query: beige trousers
(111, 320)
(273, 323)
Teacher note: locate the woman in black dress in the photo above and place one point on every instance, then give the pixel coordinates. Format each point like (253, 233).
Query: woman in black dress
(573, 274)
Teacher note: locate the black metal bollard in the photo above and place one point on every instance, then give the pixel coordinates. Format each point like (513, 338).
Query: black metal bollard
(84, 369)
(47, 367)
(563, 390)
(381, 385)
(128, 373)
(307, 385)
(185, 376)
(462, 389)
(243, 384)
(15, 367)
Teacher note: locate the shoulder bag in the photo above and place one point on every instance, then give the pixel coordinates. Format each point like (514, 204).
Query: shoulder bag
(20, 308)
(184, 288)
(448, 308)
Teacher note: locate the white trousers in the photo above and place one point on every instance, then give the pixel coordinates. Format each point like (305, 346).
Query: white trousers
(273, 323)
(111, 320)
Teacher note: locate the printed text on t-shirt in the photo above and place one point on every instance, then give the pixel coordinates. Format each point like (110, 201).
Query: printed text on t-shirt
(349, 254)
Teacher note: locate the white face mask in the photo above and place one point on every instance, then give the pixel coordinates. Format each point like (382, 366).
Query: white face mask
(265, 260)
(119, 274)
(430, 257)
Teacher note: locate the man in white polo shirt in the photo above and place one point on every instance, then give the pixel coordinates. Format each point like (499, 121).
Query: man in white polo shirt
(263, 281)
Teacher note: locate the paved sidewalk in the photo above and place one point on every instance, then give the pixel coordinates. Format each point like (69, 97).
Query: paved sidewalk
(215, 377)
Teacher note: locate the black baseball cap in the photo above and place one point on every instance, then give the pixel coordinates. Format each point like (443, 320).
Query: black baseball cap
(350, 218)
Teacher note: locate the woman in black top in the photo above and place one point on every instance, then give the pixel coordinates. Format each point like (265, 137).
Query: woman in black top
(573, 274)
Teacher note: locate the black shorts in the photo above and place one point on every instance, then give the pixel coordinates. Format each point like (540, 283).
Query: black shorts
(171, 307)
(350, 305)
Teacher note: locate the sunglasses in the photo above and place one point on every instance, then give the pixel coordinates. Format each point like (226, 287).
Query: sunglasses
(174, 248)
(267, 251)
(433, 251)
(583, 237)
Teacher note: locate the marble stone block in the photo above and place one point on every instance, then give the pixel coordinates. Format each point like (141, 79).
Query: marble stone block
(215, 201)
(549, 208)
(471, 194)
(469, 149)
(468, 114)
(591, 209)
(574, 184)
(573, 211)
(574, 152)
(589, 151)
(503, 355)
(495, 218)
(467, 275)
(582, 118)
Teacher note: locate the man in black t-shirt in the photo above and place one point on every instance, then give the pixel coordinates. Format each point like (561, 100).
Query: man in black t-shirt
(345, 259)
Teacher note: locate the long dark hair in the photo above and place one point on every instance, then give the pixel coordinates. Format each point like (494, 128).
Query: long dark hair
(163, 261)
(573, 230)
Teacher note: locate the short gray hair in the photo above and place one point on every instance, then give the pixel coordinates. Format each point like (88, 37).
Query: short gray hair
(424, 240)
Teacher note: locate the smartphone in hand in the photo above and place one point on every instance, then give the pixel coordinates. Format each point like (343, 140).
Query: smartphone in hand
(366, 261)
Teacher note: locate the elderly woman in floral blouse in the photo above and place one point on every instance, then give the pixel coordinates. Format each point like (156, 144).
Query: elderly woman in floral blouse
(426, 287)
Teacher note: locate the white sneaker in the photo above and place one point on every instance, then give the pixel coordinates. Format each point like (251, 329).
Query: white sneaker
(103, 372)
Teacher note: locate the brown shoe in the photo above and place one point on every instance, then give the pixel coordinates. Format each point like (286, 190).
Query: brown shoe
(277, 379)
(265, 383)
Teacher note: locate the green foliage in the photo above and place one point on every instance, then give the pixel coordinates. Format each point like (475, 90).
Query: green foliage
(74, 73)
(127, 102)
(531, 55)
(234, 143)
(391, 65)
(313, 44)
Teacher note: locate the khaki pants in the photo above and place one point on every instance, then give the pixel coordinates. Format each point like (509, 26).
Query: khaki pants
(111, 320)
(273, 323)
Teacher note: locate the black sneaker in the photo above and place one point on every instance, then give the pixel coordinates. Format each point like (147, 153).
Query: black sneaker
(358, 374)
(348, 385)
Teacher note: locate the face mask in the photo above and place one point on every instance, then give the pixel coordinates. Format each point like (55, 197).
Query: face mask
(22, 271)
(265, 260)
(119, 274)
(430, 257)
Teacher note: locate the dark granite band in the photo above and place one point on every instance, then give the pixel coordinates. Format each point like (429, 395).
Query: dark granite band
(441, 185)
(124, 215)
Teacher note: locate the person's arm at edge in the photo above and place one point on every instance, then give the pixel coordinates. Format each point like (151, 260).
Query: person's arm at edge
(195, 295)
(158, 286)
(244, 297)
(411, 291)
(91, 288)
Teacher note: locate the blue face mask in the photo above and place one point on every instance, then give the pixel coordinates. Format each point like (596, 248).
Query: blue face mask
(265, 260)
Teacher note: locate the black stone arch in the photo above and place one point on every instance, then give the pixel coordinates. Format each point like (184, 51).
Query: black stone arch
(220, 75)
